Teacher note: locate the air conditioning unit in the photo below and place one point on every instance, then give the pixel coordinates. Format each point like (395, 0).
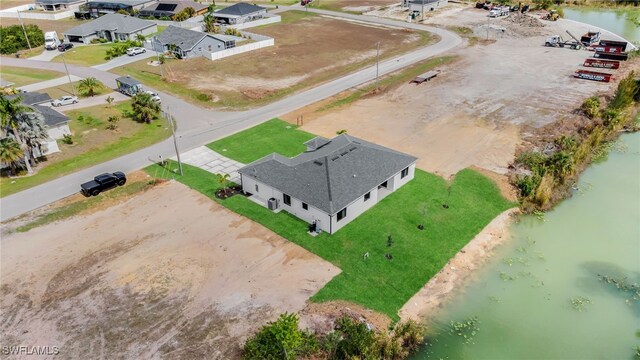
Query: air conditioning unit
(272, 203)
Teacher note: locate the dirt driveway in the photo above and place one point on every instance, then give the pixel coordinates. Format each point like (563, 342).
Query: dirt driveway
(166, 274)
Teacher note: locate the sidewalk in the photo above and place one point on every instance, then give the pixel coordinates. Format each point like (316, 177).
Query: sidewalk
(49, 83)
(211, 161)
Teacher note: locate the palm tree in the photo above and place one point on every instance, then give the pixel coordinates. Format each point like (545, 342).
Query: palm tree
(223, 180)
(11, 153)
(10, 112)
(144, 108)
(89, 86)
(34, 131)
(210, 23)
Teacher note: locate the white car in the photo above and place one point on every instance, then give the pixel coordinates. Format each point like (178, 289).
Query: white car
(154, 96)
(65, 100)
(135, 51)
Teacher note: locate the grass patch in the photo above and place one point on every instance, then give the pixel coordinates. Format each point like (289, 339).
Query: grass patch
(93, 144)
(88, 55)
(272, 136)
(75, 208)
(71, 89)
(25, 76)
(390, 81)
(376, 283)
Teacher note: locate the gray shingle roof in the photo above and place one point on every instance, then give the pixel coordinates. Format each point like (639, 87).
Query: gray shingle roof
(184, 38)
(30, 98)
(332, 176)
(179, 6)
(113, 22)
(240, 9)
(51, 117)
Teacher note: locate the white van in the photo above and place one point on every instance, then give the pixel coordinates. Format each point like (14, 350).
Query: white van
(51, 40)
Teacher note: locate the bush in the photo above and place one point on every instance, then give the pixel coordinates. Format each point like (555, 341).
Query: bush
(526, 184)
(120, 48)
(67, 139)
(626, 92)
(279, 340)
(113, 122)
(357, 341)
(533, 160)
(591, 107)
(12, 38)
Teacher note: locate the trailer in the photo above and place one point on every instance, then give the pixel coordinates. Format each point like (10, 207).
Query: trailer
(425, 77)
(602, 64)
(611, 56)
(590, 38)
(622, 44)
(607, 49)
(129, 86)
(592, 75)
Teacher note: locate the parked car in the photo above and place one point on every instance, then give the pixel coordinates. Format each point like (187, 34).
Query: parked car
(135, 51)
(64, 47)
(154, 96)
(65, 100)
(103, 182)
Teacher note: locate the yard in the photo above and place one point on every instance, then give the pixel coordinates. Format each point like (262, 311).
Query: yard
(377, 282)
(71, 89)
(92, 144)
(60, 26)
(25, 76)
(88, 55)
(355, 6)
(292, 64)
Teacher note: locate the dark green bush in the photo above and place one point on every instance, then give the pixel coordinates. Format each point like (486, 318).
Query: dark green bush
(12, 38)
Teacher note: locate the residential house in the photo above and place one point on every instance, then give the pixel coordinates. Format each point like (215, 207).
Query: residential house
(186, 44)
(240, 13)
(111, 27)
(100, 7)
(331, 183)
(57, 123)
(59, 5)
(168, 8)
(424, 5)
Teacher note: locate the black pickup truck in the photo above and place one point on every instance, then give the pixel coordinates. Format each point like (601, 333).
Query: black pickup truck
(103, 182)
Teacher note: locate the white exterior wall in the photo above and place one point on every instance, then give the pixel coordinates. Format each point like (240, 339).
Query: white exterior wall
(57, 132)
(354, 210)
(249, 24)
(427, 7)
(13, 13)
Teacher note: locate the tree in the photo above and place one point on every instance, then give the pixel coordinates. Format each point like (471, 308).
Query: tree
(109, 100)
(223, 180)
(210, 23)
(90, 86)
(33, 129)
(140, 38)
(12, 38)
(189, 11)
(11, 153)
(144, 108)
(11, 111)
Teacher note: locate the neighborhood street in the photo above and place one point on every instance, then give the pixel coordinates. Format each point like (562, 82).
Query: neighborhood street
(198, 126)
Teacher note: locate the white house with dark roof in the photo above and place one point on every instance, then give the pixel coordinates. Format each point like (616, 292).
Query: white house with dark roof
(331, 183)
(186, 44)
(240, 13)
(111, 27)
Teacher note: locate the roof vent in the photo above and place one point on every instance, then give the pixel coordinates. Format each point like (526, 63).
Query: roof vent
(344, 153)
(317, 162)
(353, 148)
(334, 158)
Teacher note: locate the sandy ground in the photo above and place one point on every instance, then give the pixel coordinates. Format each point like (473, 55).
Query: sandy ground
(476, 110)
(458, 271)
(165, 274)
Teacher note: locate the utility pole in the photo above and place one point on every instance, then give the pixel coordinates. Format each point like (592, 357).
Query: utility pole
(157, 43)
(73, 91)
(175, 141)
(422, 12)
(24, 30)
(488, 18)
(377, 63)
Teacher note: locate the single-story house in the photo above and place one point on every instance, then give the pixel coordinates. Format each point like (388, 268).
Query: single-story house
(111, 27)
(426, 5)
(331, 183)
(186, 44)
(169, 8)
(57, 123)
(57, 5)
(240, 13)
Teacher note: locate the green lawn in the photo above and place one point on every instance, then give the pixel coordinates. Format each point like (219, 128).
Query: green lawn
(71, 89)
(376, 283)
(93, 144)
(25, 76)
(272, 136)
(88, 55)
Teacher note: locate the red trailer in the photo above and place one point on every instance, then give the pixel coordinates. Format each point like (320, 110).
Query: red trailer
(592, 75)
(602, 64)
(622, 44)
(607, 49)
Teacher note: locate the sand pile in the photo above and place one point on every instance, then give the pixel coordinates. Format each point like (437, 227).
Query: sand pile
(524, 20)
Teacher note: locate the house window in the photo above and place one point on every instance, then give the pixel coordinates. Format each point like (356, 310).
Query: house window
(286, 199)
(257, 188)
(342, 214)
(305, 206)
(404, 173)
(210, 48)
(367, 196)
(383, 185)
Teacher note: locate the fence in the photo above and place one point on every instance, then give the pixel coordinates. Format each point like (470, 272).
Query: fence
(194, 23)
(25, 14)
(261, 41)
(270, 19)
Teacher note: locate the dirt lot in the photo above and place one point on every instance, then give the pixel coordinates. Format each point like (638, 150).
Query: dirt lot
(293, 63)
(7, 4)
(60, 26)
(476, 111)
(359, 6)
(166, 274)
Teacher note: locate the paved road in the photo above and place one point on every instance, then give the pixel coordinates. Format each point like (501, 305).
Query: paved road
(197, 126)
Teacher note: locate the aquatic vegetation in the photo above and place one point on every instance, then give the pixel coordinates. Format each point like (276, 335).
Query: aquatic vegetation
(495, 299)
(521, 249)
(623, 285)
(506, 277)
(466, 329)
(580, 303)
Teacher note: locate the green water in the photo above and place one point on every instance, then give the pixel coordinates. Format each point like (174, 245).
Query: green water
(522, 299)
(614, 20)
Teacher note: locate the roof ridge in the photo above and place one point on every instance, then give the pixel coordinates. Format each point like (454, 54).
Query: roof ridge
(326, 166)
